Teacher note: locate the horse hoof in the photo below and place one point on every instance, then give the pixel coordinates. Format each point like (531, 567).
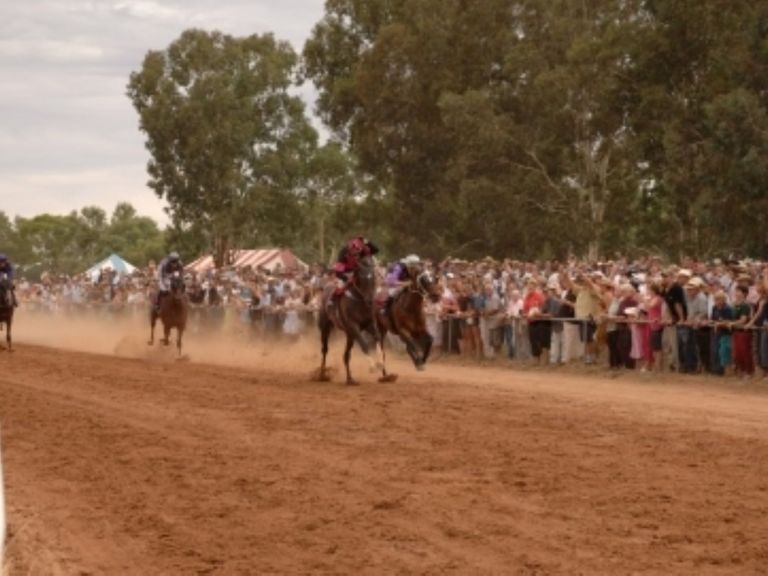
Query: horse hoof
(351, 382)
(183, 358)
(420, 367)
(376, 367)
(321, 375)
(388, 378)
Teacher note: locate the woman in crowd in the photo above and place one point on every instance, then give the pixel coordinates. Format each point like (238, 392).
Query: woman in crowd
(533, 303)
(654, 304)
(742, 339)
(759, 323)
(470, 332)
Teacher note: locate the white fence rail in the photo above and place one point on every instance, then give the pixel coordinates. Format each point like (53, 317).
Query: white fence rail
(2, 509)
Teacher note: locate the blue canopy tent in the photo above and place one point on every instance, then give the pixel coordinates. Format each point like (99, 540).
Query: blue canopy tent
(112, 262)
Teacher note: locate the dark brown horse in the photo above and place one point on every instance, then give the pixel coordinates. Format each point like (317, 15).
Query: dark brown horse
(172, 313)
(6, 310)
(354, 313)
(405, 317)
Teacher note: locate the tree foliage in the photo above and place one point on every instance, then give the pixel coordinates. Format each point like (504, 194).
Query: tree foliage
(228, 142)
(73, 243)
(548, 127)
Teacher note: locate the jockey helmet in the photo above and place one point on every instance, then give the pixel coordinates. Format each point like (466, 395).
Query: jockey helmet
(357, 245)
(3, 257)
(411, 260)
(173, 256)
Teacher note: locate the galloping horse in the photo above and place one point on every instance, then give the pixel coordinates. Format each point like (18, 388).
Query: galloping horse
(354, 313)
(173, 313)
(405, 317)
(6, 309)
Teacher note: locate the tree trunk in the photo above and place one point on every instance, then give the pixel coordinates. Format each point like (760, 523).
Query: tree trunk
(321, 233)
(220, 250)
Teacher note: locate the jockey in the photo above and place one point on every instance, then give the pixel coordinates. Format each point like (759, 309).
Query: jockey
(7, 268)
(346, 263)
(401, 275)
(170, 264)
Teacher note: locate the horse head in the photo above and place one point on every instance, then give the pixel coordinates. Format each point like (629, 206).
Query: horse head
(426, 285)
(365, 278)
(177, 285)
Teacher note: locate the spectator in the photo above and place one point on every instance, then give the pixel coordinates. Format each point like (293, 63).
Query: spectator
(698, 317)
(627, 311)
(654, 304)
(722, 317)
(742, 339)
(533, 303)
(677, 303)
(492, 310)
(552, 309)
(513, 313)
(587, 308)
(760, 322)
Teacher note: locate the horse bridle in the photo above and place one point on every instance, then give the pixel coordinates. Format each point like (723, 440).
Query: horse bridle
(356, 288)
(417, 286)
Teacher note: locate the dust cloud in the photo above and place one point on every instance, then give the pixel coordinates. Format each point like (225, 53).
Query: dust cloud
(233, 344)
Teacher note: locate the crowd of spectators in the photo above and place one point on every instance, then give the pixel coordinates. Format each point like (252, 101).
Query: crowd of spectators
(643, 314)
(692, 318)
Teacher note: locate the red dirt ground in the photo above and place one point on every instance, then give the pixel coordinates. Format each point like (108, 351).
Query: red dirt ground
(143, 466)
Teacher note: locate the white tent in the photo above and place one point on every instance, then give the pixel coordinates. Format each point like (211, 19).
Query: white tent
(112, 262)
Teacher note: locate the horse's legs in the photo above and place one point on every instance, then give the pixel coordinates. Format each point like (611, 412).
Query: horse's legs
(357, 334)
(152, 322)
(380, 344)
(325, 333)
(166, 334)
(347, 354)
(179, 333)
(413, 349)
(427, 339)
(8, 334)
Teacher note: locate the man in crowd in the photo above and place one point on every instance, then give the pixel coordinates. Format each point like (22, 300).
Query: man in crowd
(677, 303)
(698, 316)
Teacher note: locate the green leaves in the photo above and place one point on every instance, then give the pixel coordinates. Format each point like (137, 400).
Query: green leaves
(227, 139)
(71, 244)
(506, 126)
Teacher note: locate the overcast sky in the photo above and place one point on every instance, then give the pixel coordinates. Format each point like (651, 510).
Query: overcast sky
(68, 134)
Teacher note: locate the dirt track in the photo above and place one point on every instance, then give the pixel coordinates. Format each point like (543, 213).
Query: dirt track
(126, 466)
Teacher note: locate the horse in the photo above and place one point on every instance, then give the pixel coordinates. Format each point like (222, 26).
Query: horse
(6, 309)
(172, 312)
(354, 313)
(405, 317)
